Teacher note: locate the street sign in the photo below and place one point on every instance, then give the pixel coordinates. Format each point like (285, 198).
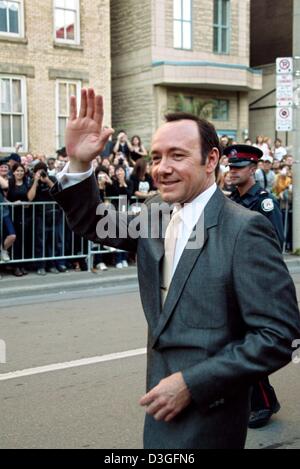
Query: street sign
(284, 94)
(284, 65)
(285, 90)
(284, 119)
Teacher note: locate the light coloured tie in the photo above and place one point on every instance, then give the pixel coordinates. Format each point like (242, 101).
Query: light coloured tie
(172, 234)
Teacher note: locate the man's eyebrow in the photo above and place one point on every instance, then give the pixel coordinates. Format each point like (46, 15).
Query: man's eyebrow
(170, 150)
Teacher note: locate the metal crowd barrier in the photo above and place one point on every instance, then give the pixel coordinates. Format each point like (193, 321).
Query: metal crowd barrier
(42, 233)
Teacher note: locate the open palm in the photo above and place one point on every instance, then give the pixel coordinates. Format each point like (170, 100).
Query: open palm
(84, 137)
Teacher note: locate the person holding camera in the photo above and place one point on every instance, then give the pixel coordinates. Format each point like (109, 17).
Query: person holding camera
(123, 144)
(48, 222)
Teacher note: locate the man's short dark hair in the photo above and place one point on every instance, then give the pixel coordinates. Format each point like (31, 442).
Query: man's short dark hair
(207, 133)
(62, 152)
(40, 167)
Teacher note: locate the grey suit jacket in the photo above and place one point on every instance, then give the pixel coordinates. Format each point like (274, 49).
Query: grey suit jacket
(229, 319)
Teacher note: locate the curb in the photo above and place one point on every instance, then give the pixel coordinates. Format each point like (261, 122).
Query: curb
(74, 283)
(12, 288)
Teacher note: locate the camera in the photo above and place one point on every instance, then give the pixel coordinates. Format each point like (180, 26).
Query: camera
(43, 174)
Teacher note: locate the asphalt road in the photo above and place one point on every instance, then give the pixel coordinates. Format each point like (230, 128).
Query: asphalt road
(95, 405)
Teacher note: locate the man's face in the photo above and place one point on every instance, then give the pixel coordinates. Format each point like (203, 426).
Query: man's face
(4, 170)
(267, 166)
(240, 176)
(176, 162)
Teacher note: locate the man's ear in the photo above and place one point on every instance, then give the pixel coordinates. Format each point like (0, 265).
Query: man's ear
(212, 161)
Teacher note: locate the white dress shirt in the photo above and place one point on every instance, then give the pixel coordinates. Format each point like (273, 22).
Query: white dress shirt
(190, 215)
(67, 179)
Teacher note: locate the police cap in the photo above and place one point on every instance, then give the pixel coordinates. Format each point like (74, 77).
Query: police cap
(241, 156)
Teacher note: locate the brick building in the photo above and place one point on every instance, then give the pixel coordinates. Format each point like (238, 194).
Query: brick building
(174, 54)
(48, 50)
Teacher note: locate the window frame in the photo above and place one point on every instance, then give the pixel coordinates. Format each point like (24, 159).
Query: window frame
(78, 84)
(23, 114)
(21, 32)
(220, 28)
(219, 101)
(183, 22)
(77, 35)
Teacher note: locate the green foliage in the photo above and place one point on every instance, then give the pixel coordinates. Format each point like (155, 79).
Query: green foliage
(197, 106)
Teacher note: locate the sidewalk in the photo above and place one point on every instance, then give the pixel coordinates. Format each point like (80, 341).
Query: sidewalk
(32, 284)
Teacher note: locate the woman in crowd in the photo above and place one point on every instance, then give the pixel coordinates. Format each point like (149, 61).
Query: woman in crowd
(143, 186)
(123, 189)
(17, 193)
(262, 145)
(123, 144)
(7, 230)
(105, 183)
(283, 191)
(138, 149)
(4, 169)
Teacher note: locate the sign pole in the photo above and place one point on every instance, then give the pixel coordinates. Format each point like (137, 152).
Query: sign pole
(296, 133)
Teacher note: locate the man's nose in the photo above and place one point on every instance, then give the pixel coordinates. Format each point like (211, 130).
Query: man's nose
(164, 166)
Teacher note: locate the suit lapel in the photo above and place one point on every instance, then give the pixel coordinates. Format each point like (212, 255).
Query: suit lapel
(191, 254)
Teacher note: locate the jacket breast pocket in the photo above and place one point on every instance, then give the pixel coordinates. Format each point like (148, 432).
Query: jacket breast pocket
(204, 307)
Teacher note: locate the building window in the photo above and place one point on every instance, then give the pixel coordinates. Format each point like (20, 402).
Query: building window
(64, 90)
(13, 113)
(182, 24)
(11, 18)
(220, 110)
(66, 19)
(221, 26)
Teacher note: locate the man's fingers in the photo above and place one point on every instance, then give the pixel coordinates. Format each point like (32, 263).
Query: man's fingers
(162, 414)
(98, 115)
(147, 399)
(83, 105)
(105, 134)
(90, 103)
(73, 108)
(170, 416)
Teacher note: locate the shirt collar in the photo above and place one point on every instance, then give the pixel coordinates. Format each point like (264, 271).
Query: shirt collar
(191, 212)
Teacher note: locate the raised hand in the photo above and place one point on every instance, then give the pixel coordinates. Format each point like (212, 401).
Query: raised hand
(85, 138)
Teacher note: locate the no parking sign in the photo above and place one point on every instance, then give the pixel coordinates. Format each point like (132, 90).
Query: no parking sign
(284, 65)
(284, 119)
(284, 94)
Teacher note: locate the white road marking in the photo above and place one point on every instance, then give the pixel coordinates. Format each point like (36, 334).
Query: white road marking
(73, 364)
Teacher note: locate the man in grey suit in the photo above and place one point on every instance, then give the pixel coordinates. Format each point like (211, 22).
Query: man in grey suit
(212, 329)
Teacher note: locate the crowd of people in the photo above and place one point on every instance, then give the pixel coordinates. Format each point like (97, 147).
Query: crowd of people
(37, 230)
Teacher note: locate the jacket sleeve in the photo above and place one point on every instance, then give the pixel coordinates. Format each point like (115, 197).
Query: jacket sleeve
(267, 302)
(91, 219)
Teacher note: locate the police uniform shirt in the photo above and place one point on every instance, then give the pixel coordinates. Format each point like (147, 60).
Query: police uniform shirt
(261, 201)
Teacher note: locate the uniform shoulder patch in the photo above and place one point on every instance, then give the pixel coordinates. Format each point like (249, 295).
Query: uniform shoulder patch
(267, 205)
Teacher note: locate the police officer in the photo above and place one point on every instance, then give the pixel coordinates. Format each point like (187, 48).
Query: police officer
(243, 161)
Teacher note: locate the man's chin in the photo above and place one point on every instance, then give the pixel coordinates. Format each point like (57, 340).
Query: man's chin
(169, 197)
